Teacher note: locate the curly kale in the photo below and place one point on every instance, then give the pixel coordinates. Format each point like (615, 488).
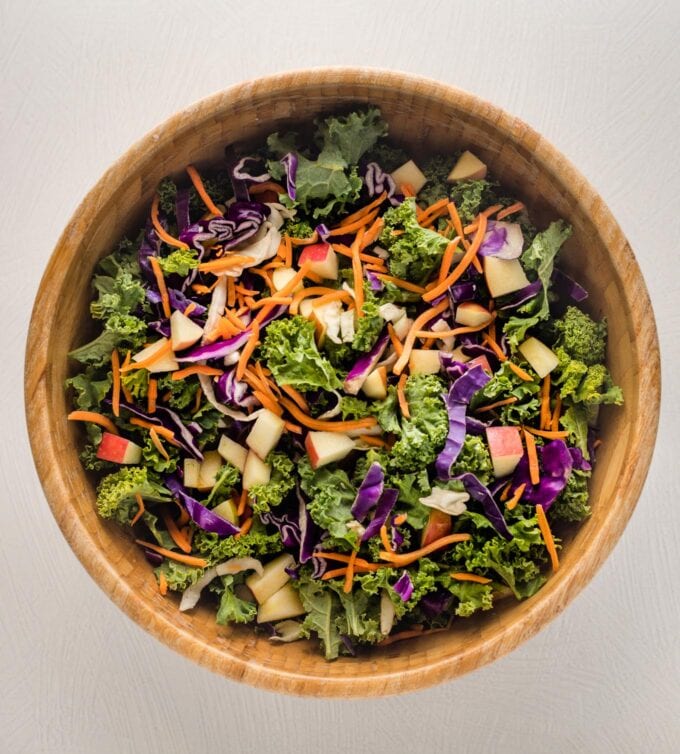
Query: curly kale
(116, 493)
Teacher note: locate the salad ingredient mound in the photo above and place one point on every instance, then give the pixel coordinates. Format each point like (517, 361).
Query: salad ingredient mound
(340, 394)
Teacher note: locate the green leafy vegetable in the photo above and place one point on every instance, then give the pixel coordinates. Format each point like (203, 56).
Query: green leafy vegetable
(370, 325)
(233, 609)
(572, 502)
(580, 336)
(267, 496)
(116, 493)
(177, 575)
(471, 197)
(90, 388)
(179, 262)
(506, 384)
(474, 456)
(255, 543)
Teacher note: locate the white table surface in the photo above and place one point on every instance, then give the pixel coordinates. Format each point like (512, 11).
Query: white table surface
(79, 82)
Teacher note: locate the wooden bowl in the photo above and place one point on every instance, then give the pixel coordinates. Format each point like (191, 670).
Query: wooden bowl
(425, 116)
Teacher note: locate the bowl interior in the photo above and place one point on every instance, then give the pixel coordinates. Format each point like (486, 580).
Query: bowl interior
(424, 117)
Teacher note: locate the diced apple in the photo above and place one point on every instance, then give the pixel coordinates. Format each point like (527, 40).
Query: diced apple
(165, 363)
(481, 361)
(541, 358)
(282, 604)
(401, 327)
(391, 312)
(468, 168)
(306, 308)
(192, 469)
(438, 525)
(117, 449)
(505, 448)
(327, 447)
(210, 468)
(227, 511)
(504, 276)
(183, 331)
(375, 385)
(266, 433)
(233, 452)
(347, 319)
(273, 577)
(322, 260)
(424, 361)
(326, 318)
(458, 355)
(442, 325)
(472, 315)
(409, 174)
(256, 471)
(281, 276)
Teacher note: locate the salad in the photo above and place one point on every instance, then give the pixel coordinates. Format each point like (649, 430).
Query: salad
(338, 394)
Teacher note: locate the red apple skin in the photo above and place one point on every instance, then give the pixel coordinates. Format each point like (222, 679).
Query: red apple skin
(482, 361)
(504, 441)
(311, 451)
(438, 525)
(112, 448)
(317, 252)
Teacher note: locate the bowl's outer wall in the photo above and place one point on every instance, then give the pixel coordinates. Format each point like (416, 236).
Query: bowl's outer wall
(425, 116)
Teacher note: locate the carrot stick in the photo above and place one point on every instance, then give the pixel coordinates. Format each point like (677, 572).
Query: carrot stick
(460, 268)
(260, 188)
(347, 588)
(494, 347)
(334, 573)
(314, 238)
(225, 263)
(165, 349)
(400, 519)
(506, 492)
(156, 440)
(405, 284)
(200, 190)
(152, 395)
(455, 220)
(470, 577)
(317, 290)
(242, 502)
(94, 418)
(410, 557)
(160, 281)
(287, 289)
(245, 528)
(377, 442)
(268, 402)
(534, 474)
(371, 235)
(520, 372)
(385, 539)
(358, 273)
(423, 319)
(329, 426)
(180, 374)
(434, 335)
(162, 431)
(544, 526)
(176, 535)
(248, 349)
(516, 497)
(140, 509)
(354, 226)
(162, 584)
(396, 343)
(447, 259)
(401, 397)
(231, 292)
(345, 251)
(297, 397)
(516, 207)
(363, 211)
(115, 374)
(545, 417)
(162, 233)
(180, 558)
(548, 434)
(497, 404)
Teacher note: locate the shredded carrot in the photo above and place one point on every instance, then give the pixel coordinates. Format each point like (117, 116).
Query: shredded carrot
(470, 577)
(401, 397)
(287, 289)
(420, 321)
(203, 289)
(200, 190)
(385, 539)
(156, 440)
(335, 573)
(544, 526)
(447, 259)
(432, 212)
(545, 417)
(296, 396)
(162, 233)
(190, 307)
(94, 418)
(372, 233)
(363, 211)
(548, 434)
(345, 251)
(520, 372)
(162, 584)
(288, 255)
(296, 429)
(235, 320)
(329, 426)
(405, 284)
(494, 347)
(242, 502)
(264, 275)
(506, 492)
(160, 281)
(347, 588)
(375, 267)
(260, 188)
(314, 238)
(152, 395)
(436, 334)
(533, 458)
(267, 402)
(342, 558)
(455, 220)
(225, 263)
(358, 274)
(165, 349)
(180, 374)
(410, 557)
(245, 528)
(184, 516)
(177, 537)
(396, 343)
(275, 264)
(162, 431)
(115, 375)
(400, 519)
(276, 300)
(140, 509)
(331, 294)
(375, 441)
(126, 391)
(516, 496)
(460, 268)
(189, 560)
(355, 226)
(248, 349)
(497, 404)
(516, 207)
(555, 420)
(231, 292)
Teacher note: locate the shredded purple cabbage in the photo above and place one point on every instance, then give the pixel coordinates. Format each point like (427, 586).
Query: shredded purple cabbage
(382, 511)
(555, 461)
(290, 164)
(377, 181)
(364, 366)
(403, 586)
(240, 173)
(481, 494)
(369, 492)
(203, 517)
(242, 221)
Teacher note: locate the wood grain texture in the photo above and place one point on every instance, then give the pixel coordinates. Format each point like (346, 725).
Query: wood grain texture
(78, 84)
(424, 116)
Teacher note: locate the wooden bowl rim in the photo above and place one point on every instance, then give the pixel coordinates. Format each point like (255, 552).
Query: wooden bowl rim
(544, 606)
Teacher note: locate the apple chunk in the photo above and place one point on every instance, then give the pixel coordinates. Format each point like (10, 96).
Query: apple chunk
(266, 433)
(438, 525)
(210, 468)
(468, 168)
(322, 260)
(183, 332)
(255, 471)
(402, 327)
(409, 174)
(505, 447)
(192, 470)
(504, 276)
(117, 449)
(281, 605)
(273, 577)
(472, 315)
(281, 276)
(227, 511)
(541, 358)
(424, 361)
(327, 447)
(165, 363)
(375, 385)
(481, 361)
(233, 452)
